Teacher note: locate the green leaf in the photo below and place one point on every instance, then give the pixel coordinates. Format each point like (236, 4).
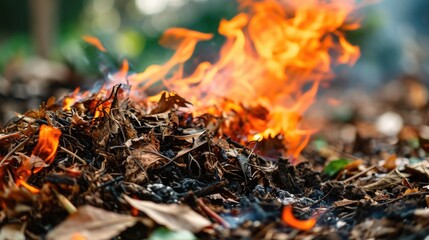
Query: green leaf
(165, 234)
(335, 166)
(319, 144)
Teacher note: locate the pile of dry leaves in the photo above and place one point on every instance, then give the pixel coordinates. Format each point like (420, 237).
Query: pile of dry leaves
(108, 168)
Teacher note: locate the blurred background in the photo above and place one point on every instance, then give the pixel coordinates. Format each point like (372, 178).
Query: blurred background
(42, 54)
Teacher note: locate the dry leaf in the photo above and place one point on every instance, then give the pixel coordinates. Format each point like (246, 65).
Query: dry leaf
(419, 170)
(143, 157)
(168, 101)
(391, 179)
(190, 137)
(91, 223)
(411, 190)
(173, 216)
(390, 162)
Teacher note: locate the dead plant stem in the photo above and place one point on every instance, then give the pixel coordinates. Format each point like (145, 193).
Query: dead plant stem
(359, 174)
(73, 155)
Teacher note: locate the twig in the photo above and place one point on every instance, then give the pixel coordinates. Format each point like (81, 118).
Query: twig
(14, 150)
(158, 154)
(323, 198)
(6, 136)
(180, 154)
(212, 214)
(359, 174)
(211, 189)
(68, 206)
(189, 150)
(73, 155)
(400, 198)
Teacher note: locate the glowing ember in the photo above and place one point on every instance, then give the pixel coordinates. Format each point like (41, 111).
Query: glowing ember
(289, 219)
(47, 145)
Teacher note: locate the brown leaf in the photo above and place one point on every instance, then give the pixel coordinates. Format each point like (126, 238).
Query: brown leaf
(190, 137)
(140, 160)
(419, 170)
(91, 223)
(77, 120)
(173, 216)
(168, 101)
(390, 162)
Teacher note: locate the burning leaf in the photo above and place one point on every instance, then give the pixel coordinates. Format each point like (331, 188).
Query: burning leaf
(91, 223)
(175, 217)
(47, 144)
(29, 164)
(289, 219)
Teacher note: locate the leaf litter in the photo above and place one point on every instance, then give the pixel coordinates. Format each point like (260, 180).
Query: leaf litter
(129, 170)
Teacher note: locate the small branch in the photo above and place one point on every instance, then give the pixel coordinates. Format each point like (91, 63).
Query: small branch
(212, 214)
(73, 155)
(359, 174)
(211, 189)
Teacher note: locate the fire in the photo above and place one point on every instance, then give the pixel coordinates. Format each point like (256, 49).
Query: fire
(21, 182)
(43, 154)
(288, 218)
(95, 42)
(276, 55)
(47, 145)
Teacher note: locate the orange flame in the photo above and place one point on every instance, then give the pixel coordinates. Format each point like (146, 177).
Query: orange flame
(21, 182)
(47, 145)
(94, 42)
(276, 55)
(289, 219)
(71, 99)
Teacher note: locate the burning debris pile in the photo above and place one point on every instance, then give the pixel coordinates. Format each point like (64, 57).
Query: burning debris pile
(118, 163)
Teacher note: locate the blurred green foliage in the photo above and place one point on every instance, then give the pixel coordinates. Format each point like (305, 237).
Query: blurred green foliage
(131, 39)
